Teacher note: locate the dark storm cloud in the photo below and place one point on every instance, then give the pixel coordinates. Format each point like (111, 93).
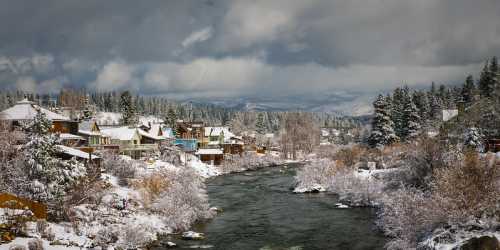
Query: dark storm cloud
(227, 48)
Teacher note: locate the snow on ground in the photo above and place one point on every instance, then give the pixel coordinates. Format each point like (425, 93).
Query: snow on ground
(203, 169)
(24, 242)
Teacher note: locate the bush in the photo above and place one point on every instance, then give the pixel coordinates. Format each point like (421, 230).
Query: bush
(183, 201)
(248, 160)
(458, 191)
(119, 167)
(35, 244)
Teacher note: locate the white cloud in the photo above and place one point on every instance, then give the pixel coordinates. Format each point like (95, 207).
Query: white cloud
(27, 84)
(115, 75)
(225, 77)
(198, 36)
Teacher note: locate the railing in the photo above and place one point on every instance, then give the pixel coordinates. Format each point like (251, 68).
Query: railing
(139, 147)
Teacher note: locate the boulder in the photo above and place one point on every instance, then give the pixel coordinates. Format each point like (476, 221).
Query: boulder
(481, 243)
(190, 235)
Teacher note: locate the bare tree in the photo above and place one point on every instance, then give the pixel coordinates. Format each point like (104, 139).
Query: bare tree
(299, 133)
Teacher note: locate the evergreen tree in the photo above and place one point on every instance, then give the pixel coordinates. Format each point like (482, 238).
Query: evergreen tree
(412, 121)
(485, 82)
(397, 108)
(41, 165)
(423, 106)
(127, 109)
(171, 118)
(382, 126)
(468, 90)
(260, 127)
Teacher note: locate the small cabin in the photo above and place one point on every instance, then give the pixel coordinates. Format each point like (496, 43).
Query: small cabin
(212, 156)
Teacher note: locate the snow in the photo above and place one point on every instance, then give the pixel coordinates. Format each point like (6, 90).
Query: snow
(65, 136)
(340, 205)
(217, 131)
(122, 133)
(75, 152)
(46, 244)
(26, 110)
(310, 189)
(209, 151)
(202, 169)
(190, 235)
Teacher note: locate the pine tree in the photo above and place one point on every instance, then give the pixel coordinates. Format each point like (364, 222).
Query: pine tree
(260, 127)
(423, 106)
(171, 118)
(412, 121)
(397, 108)
(474, 139)
(382, 126)
(485, 81)
(127, 109)
(468, 90)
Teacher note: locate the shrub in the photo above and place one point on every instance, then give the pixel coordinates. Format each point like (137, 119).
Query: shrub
(183, 201)
(469, 188)
(35, 244)
(119, 167)
(458, 191)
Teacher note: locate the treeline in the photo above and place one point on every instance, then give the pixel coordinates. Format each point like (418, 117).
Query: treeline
(404, 114)
(169, 110)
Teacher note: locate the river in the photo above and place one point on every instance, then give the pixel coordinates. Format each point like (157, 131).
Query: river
(260, 212)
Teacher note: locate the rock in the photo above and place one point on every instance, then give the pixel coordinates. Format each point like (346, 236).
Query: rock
(216, 210)
(313, 189)
(170, 244)
(481, 243)
(340, 205)
(190, 235)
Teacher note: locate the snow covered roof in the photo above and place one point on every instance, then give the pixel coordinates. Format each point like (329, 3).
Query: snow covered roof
(120, 133)
(26, 110)
(75, 152)
(209, 151)
(216, 131)
(150, 135)
(65, 136)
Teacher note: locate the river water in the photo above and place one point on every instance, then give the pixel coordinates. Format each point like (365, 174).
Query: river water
(260, 212)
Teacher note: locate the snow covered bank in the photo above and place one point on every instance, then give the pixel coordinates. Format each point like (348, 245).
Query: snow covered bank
(355, 187)
(250, 161)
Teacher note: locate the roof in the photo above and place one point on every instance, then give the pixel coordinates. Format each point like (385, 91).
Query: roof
(209, 151)
(120, 133)
(216, 131)
(65, 136)
(26, 110)
(75, 152)
(150, 135)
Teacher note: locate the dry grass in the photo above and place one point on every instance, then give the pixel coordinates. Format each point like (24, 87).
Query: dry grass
(152, 186)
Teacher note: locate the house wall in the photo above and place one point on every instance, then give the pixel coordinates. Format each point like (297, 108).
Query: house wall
(217, 159)
(68, 127)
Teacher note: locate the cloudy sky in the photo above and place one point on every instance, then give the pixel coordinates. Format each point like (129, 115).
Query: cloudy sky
(217, 48)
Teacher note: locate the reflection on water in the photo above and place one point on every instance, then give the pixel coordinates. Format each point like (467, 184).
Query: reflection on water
(260, 212)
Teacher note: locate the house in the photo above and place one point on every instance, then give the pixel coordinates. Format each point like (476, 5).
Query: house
(25, 111)
(133, 141)
(189, 135)
(212, 156)
(72, 140)
(67, 153)
(216, 134)
(91, 132)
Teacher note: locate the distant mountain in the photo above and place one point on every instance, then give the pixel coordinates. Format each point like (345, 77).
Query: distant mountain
(349, 104)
